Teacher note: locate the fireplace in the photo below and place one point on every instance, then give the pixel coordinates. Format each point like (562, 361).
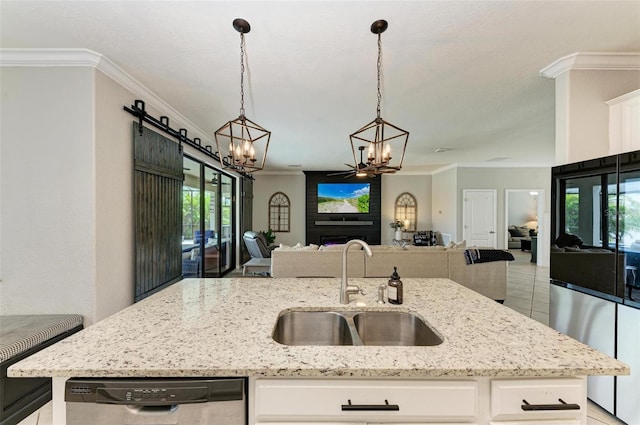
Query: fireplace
(340, 239)
(337, 227)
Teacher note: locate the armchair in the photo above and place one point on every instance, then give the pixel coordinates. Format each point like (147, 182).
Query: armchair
(256, 244)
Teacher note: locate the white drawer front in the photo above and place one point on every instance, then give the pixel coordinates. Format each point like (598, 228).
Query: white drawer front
(328, 400)
(510, 395)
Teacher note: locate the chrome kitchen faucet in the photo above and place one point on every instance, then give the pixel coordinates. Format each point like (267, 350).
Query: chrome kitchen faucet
(345, 288)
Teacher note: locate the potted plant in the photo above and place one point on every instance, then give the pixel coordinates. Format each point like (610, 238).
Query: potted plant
(269, 236)
(397, 225)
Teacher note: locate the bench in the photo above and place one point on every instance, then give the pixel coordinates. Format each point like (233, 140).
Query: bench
(20, 337)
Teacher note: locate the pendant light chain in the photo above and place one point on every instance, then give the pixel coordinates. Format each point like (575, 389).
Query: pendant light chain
(242, 74)
(245, 142)
(385, 143)
(379, 65)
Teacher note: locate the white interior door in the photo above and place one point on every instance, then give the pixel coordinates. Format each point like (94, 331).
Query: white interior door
(479, 217)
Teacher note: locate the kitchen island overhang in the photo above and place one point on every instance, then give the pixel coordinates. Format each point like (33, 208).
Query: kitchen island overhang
(223, 327)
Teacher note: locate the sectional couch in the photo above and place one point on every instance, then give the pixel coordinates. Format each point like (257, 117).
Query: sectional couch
(516, 234)
(489, 279)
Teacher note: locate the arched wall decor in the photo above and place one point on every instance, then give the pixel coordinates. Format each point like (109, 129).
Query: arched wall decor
(406, 210)
(279, 216)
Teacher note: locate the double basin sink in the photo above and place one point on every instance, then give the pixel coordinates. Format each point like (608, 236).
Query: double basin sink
(392, 328)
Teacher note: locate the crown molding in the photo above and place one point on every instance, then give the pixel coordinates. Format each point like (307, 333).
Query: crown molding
(49, 57)
(625, 97)
(89, 58)
(593, 61)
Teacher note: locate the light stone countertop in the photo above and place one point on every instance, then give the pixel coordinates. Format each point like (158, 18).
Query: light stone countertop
(222, 327)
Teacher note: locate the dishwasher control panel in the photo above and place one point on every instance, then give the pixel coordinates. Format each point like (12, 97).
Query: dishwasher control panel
(150, 396)
(153, 392)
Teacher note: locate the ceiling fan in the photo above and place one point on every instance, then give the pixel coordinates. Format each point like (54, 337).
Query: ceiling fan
(361, 170)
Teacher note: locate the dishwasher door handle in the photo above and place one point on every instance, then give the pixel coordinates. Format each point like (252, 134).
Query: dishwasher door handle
(152, 410)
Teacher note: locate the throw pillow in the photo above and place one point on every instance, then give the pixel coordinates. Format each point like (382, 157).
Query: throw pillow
(457, 245)
(567, 239)
(515, 233)
(310, 247)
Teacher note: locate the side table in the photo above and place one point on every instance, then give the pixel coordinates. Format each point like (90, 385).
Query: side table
(534, 249)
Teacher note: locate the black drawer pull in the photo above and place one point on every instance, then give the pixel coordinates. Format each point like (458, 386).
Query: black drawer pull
(361, 407)
(562, 406)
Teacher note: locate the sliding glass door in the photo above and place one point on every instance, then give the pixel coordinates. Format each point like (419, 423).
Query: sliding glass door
(191, 223)
(227, 220)
(208, 221)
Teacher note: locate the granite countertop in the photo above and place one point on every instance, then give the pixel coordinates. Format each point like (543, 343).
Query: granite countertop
(222, 327)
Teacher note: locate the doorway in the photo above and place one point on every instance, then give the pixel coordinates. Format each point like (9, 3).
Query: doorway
(525, 208)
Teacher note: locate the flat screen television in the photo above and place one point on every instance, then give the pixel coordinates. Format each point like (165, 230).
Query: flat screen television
(343, 198)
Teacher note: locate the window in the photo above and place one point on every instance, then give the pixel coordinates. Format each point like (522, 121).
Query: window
(279, 217)
(406, 211)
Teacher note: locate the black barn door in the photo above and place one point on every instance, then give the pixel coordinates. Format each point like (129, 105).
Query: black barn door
(158, 212)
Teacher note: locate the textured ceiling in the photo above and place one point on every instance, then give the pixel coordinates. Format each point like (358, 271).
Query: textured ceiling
(462, 75)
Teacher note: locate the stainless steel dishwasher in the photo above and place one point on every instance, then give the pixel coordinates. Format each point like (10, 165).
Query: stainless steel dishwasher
(172, 401)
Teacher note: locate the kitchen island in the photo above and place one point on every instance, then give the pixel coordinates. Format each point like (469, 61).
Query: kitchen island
(223, 327)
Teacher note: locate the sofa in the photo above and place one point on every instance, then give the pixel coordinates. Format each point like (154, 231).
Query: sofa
(489, 279)
(516, 234)
(588, 267)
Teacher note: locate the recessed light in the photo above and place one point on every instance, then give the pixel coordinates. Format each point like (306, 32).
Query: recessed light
(439, 150)
(294, 165)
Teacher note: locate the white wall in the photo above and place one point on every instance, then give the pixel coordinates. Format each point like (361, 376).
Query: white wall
(502, 179)
(293, 185)
(66, 191)
(395, 184)
(522, 207)
(114, 279)
(445, 202)
(47, 183)
(582, 117)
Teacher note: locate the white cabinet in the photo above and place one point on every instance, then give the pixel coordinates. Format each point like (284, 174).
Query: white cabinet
(538, 399)
(382, 401)
(479, 401)
(624, 123)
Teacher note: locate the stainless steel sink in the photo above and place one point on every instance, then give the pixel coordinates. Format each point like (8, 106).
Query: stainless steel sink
(395, 328)
(312, 328)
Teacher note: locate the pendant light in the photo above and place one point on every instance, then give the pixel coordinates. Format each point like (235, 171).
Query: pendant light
(385, 143)
(241, 137)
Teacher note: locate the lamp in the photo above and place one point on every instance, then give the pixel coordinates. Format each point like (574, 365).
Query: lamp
(240, 136)
(380, 134)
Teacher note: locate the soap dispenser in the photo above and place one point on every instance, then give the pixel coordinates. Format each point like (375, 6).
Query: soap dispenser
(394, 292)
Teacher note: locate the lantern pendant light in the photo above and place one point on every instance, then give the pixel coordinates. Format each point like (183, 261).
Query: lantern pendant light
(241, 137)
(387, 143)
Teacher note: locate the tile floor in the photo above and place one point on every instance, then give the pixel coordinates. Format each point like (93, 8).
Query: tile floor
(527, 293)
